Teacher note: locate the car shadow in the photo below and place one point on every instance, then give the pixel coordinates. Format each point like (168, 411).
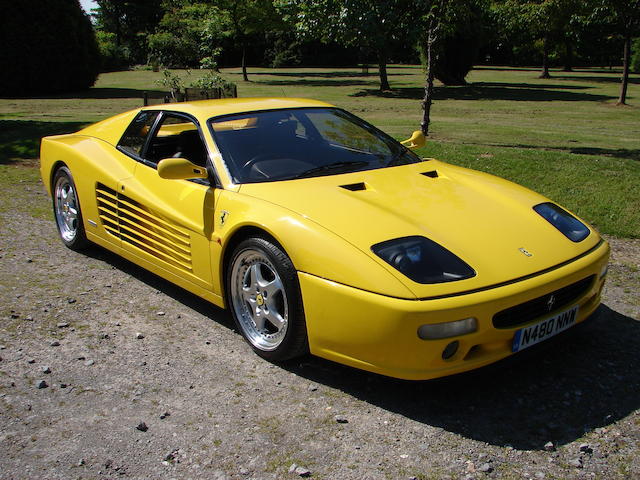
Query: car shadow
(583, 379)
(172, 290)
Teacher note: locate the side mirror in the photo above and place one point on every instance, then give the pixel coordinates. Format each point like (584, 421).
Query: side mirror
(417, 140)
(180, 169)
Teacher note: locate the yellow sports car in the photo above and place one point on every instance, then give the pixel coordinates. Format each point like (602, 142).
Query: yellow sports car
(322, 234)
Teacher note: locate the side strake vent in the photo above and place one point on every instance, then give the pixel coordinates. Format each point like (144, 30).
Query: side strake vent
(354, 187)
(430, 174)
(135, 224)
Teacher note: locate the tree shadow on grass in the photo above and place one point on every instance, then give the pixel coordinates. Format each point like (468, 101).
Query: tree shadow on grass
(623, 153)
(318, 83)
(585, 378)
(99, 93)
(626, 153)
(598, 79)
(333, 74)
(20, 139)
(492, 91)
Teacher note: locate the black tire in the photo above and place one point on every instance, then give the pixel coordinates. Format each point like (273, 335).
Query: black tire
(66, 210)
(263, 291)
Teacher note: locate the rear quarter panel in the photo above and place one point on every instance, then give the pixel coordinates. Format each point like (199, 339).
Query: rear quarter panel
(90, 160)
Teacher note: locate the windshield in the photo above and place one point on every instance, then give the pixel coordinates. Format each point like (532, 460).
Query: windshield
(288, 144)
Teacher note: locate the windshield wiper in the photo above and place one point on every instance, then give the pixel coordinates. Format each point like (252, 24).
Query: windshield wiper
(339, 167)
(397, 157)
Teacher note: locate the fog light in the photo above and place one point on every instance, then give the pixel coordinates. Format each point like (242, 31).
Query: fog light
(450, 350)
(437, 331)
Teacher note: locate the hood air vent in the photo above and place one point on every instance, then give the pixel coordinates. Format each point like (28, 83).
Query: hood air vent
(354, 187)
(430, 174)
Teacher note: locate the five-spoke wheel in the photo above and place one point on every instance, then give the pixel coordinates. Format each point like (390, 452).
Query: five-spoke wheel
(66, 209)
(264, 297)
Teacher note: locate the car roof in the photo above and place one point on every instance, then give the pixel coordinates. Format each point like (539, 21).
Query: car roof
(205, 109)
(111, 129)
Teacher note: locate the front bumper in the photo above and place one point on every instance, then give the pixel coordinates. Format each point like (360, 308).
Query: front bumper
(379, 334)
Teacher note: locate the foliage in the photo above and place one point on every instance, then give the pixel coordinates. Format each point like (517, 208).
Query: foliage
(209, 81)
(635, 57)
(173, 83)
(113, 57)
(47, 46)
(187, 32)
(212, 80)
(130, 22)
(366, 24)
(284, 49)
(462, 32)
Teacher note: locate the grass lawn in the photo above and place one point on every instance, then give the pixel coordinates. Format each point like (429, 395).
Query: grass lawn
(563, 137)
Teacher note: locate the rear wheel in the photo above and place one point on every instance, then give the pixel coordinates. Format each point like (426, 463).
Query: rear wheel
(264, 297)
(66, 209)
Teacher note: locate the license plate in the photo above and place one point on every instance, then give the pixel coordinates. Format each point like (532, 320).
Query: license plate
(526, 337)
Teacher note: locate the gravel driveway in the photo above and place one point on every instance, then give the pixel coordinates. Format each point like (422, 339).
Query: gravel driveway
(107, 371)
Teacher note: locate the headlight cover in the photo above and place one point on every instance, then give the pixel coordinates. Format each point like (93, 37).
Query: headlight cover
(569, 226)
(423, 260)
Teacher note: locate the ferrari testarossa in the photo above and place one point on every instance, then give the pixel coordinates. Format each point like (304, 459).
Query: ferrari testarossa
(322, 234)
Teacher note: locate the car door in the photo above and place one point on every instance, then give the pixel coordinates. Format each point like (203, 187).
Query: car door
(168, 224)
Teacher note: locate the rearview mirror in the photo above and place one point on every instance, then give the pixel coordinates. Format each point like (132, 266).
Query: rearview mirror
(180, 169)
(417, 140)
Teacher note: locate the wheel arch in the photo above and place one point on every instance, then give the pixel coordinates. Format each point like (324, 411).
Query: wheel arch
(54, 169)
(240, 234)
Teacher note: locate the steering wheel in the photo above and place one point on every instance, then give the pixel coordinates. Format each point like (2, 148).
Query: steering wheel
(261, 157)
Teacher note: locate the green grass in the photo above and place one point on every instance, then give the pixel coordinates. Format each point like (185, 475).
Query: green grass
(563, 137)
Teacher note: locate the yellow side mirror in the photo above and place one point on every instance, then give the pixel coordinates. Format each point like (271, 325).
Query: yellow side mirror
(417, 140)
(180, 169)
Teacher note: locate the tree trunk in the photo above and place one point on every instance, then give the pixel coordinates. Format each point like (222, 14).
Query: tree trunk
(428, 87)
(545, 59)
(244, 63)
(568, 55)
(382, 68)
(625, 71)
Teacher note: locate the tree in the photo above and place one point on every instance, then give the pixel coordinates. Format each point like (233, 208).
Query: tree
(47, 46)
(623, 18)
(434, 25)
(130, 21)
(365, 24)
(461, 35)
(187, 33)
(547, 22)
(248, 18)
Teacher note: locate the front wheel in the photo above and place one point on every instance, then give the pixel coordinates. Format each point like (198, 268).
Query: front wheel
(264, 297)
(66, 210)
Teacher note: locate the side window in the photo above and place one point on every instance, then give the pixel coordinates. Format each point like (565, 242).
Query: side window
(176, 137)
(135, 135)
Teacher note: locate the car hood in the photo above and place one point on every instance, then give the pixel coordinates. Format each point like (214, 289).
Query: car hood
(485, 220)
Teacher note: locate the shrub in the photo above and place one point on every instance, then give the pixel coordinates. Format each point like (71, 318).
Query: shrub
(635, 56)
(47, 46)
